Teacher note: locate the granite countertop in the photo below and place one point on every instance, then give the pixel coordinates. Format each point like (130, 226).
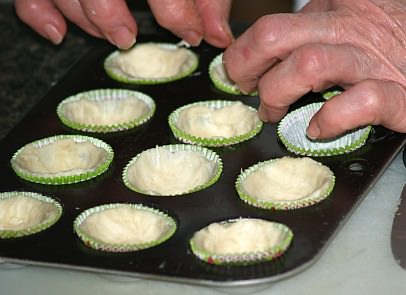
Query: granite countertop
(358, 261)
(30, 65)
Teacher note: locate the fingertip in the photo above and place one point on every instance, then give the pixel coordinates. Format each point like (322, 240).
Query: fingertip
(262, 114)
(313, 131)
(53, 34)
(122, 37)
(191, 37)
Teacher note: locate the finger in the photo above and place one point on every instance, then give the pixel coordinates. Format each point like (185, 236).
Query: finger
(113, 19)
(313, 67)
(371, 102)
(273, 38)
(181, 17)
(72, 10)
(215, 15)
(43, 17)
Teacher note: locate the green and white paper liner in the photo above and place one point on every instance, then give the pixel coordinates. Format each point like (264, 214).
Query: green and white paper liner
(210, 142)
(278, 204)
(94, 243)
(220, 80)
(64, 177)
(46, 223)
(292, 133)
(330, 93)
(100, 95)
(249, 258)
(208, 154)
(114, 72)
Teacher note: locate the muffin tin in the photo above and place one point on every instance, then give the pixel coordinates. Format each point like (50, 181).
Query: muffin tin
(58, 246)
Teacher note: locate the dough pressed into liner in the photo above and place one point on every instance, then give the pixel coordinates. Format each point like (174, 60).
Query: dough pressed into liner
(220, 79)
(106, 110)
(26, 213)
(123, 227)
(292, 133)
(241, 241)
(62, 159)
(172, 170)
(149, 63)
(215, 123)
(285, 183)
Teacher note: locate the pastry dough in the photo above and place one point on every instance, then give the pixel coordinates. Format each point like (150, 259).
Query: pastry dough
(106, 111)
(159, 171)
(238, 237)
(208, 122)
(125, 225)
(60, 158)
(20, 212)
(151, 60)
(288, 179)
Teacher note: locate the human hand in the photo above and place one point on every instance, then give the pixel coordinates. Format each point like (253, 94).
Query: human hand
(358, 45)
(191, 20)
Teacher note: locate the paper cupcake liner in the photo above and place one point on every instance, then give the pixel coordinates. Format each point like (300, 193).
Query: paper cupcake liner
(219, 83)
(292, 133)
(279, 204)
(330, 93)
(244, 259)
(116, 74)
(208, 154)
(210, 142)
(9, 234)
(106, 94)
(66, 178)
(126, 247)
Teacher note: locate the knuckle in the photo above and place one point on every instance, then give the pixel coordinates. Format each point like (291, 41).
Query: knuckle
(371, 98)
(262, 35)
(310, 61)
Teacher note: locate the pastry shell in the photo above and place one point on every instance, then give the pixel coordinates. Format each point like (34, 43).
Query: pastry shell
(214, 141)
(30, 158)
(153, 188)
(109, 104)
(25, 205)
(253, 241)
(140, 228)
(297, 183)
(220, 80)
(114, 71)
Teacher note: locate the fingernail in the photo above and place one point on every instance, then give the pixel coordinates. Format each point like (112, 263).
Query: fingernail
(262, 115)
(122, 37)
(53, 34)
(313, 131)
(192, 37)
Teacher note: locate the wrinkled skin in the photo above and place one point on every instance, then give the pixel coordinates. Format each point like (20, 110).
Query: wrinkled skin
(191, 20)
(359, 45)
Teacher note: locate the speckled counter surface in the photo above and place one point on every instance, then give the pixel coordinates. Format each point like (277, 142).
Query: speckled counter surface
(29, 64)
(358, 261)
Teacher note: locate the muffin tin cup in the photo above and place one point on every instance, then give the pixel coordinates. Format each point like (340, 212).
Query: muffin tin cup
(292, 132)
(210, 142)
(66, 178)
(9, 234)
(249, 258)
(117, 74)
(219, 83)
(105, 94)
(109, 247)
(208, 154)
(279, 204)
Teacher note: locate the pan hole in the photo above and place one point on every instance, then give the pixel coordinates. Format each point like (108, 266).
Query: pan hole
(356, 167)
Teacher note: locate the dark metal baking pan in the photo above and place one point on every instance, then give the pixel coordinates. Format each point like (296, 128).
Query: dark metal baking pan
(314, 227)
